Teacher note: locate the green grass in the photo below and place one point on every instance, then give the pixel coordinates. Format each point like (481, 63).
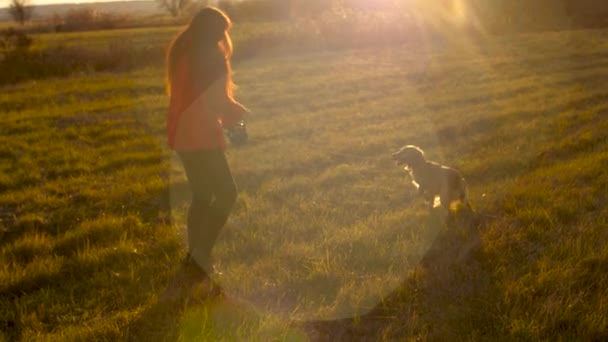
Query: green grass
(326, 227)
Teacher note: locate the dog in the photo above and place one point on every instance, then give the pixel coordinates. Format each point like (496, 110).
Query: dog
(432, 179)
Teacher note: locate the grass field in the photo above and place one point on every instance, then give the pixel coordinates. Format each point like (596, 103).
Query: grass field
(158, 37)
(328, 240)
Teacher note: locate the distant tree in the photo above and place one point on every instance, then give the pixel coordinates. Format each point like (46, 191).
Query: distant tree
(21, 10)
(80, 18)
(174, 7)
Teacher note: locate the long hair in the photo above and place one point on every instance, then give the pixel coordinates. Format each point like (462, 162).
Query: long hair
(209, 46)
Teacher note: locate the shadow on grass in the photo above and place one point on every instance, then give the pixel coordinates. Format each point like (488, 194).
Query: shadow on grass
(186, 291)
(193, 309)
(447, 298)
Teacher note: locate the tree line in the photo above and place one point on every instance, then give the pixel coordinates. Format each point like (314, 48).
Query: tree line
(495, 15)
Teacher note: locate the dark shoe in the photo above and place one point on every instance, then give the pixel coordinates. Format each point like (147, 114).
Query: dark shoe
(194, 270)
(196, 273)
(187, 259)
(206, 267)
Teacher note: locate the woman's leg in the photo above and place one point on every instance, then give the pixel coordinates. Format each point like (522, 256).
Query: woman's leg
(198, 179)
(224, 192)
(213, 195)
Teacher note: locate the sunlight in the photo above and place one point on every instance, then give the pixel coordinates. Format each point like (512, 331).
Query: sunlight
(448, 12)
(459, 11)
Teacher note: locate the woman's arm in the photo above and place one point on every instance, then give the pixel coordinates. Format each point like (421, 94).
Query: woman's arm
(220, 104)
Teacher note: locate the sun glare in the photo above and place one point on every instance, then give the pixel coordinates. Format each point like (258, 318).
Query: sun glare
(459, 11)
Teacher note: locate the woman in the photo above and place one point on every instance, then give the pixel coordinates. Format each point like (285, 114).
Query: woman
(201, 105)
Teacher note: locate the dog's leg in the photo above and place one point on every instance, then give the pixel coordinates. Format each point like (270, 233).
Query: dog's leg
(447, 198)
(422, 192)
(428, 196)
(463, 197)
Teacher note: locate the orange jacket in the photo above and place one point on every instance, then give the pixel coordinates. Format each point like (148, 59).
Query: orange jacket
(191, 124)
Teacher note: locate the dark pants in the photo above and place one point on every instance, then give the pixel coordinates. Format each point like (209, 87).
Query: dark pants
(213, 195)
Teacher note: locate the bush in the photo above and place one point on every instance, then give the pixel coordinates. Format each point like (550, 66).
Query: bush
(13, 42)
(20, 64)
(14, 50)
(87, 18)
